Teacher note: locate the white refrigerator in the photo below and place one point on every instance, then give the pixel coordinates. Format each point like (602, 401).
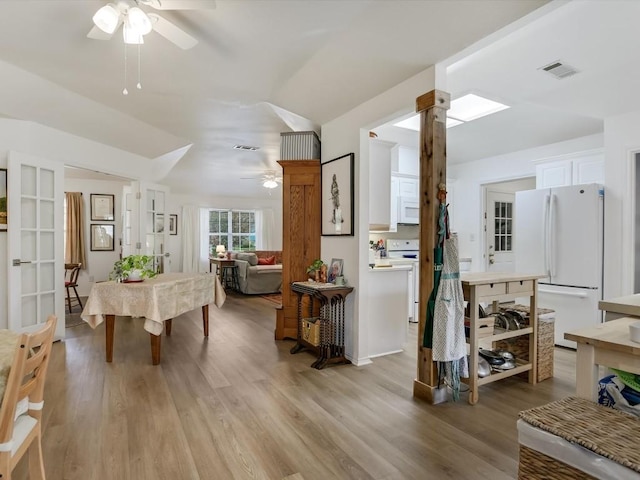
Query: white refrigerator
(559, 233)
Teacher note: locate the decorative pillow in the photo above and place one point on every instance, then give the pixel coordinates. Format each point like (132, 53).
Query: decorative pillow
(267, 261)
(252, 258)
(233, 255)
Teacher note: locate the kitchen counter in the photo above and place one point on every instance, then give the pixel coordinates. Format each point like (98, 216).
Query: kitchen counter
(620, 307)
(391, 268)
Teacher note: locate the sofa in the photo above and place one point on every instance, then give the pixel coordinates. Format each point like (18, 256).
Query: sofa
(259, 272)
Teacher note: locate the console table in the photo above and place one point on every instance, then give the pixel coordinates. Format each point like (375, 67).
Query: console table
(331, 298)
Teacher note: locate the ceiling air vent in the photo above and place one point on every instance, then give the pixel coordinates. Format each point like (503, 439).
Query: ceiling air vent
(559, 70)
(246, 147)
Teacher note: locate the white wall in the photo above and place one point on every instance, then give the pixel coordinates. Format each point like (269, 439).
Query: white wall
(468, 178)
(621, 141)
(350, 133)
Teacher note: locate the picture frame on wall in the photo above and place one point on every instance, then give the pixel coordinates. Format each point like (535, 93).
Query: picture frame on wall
(102, 207)
(173, 224)
(4, 219)
(102, 237)
(336, 211)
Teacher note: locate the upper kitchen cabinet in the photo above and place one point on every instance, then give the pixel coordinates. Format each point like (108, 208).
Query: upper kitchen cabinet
(576, 169)
(405, 160)
(380, 186)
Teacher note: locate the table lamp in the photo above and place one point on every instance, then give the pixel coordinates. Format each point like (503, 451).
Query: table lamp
(220, 251)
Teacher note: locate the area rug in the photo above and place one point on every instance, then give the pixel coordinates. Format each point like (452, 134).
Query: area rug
(275, 298)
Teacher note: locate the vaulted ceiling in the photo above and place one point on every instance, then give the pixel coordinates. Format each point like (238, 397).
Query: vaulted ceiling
(265, 67)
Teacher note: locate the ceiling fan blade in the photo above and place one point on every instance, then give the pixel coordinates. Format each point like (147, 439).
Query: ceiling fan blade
(180, 4)
(172, 33)
(98, 34)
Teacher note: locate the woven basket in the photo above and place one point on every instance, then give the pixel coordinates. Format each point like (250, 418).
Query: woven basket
(519, 346)
(605, 431)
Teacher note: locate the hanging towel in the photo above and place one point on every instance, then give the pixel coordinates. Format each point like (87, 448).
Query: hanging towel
(449, 343)
(427, 339)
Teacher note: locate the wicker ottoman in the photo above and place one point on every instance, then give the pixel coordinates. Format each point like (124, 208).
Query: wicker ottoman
(577, 438)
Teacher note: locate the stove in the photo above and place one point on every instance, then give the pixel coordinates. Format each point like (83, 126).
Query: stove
(407, 252)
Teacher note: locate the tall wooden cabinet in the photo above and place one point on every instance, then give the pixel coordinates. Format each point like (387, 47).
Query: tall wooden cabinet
(300, 235)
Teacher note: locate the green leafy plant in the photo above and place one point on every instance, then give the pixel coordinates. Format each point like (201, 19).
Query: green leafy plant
(315, 266)
(124, 267)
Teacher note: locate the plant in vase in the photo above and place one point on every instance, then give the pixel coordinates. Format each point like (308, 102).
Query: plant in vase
(133, 268)
(314, 270)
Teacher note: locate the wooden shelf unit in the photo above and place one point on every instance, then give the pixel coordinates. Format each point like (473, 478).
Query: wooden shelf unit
(496, 287)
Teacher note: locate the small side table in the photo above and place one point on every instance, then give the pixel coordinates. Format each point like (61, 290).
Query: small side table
(219, 263)
(332, 298)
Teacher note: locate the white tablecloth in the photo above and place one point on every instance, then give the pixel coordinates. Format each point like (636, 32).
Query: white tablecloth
(157, 299)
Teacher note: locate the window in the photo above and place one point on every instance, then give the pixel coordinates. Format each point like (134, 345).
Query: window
(235, 229)
(503, 232)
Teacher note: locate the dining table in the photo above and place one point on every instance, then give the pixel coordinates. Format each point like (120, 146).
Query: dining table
(158, 300)
(8, 342)
(607, 344)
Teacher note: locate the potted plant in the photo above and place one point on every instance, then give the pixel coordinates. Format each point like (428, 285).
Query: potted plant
(314, 270)
(133, 268)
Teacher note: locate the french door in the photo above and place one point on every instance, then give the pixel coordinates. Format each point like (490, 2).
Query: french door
(35, 242)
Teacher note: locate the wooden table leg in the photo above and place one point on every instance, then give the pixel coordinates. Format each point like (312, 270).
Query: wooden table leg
(167, 327)
(155, 349)
(110, 323)
(205, 320)
(586, 372)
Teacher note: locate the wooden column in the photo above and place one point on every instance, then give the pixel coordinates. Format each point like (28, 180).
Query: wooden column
(432, 107)
(300, 235)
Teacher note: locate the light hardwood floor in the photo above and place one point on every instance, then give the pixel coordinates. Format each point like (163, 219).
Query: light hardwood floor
(239, 406)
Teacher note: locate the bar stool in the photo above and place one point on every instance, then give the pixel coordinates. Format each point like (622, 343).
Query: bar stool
(230, 277)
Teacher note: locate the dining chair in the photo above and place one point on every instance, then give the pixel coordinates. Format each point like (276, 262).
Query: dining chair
(21, 410)
(71, 272)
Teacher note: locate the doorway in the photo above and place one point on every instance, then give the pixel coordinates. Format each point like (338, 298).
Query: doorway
(498, 216)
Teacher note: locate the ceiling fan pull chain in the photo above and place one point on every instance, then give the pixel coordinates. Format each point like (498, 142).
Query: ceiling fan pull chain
(139, 85)
(125, 91)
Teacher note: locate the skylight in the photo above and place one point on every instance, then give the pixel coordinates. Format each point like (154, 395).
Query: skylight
(464, 109)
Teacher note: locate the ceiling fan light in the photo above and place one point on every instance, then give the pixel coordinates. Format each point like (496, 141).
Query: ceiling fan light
(270, 183)
(138, 21)
(131, 37)
(107, 18)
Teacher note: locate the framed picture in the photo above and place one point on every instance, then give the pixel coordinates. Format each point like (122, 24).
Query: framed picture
(173, 224)
(158, 224)
(335, 269)
(337, 196)
(102, 207)
(3, 200)
(102, 235)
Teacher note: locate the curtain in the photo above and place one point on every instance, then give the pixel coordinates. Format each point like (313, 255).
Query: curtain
(190, 239)
(75, 249)
(265, 226)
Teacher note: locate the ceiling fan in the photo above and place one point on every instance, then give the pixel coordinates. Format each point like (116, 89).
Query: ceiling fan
(269, 179)
(136, 23)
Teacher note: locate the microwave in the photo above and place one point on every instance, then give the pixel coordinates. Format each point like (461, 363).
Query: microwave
(409, 210)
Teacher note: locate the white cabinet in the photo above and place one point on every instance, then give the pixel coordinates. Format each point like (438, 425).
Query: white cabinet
(589, 169)
(554, 174)
(379, 185)
(575, 169)
(408, 186)
(405, 160)
(393, 204)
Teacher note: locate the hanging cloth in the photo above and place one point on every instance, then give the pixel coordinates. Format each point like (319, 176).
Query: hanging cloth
(449, 342)
(427, 340)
